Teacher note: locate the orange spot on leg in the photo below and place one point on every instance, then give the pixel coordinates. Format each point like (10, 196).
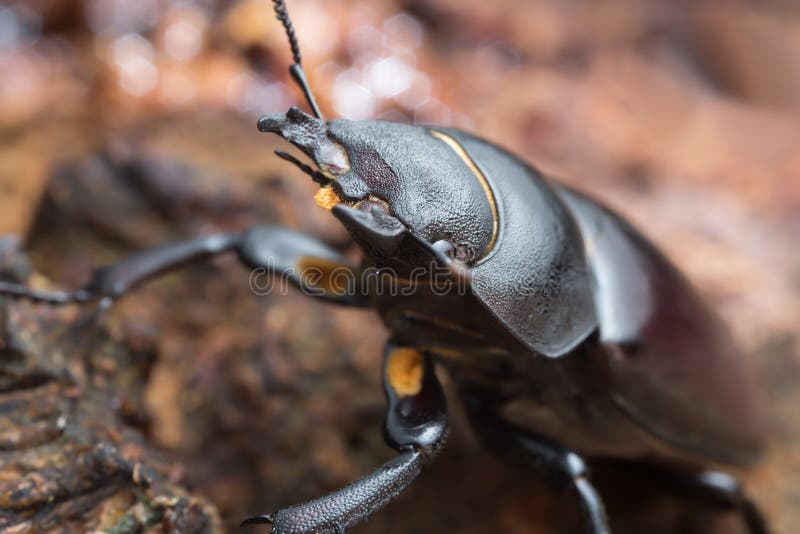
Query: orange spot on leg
(405, 371)
(332, 277)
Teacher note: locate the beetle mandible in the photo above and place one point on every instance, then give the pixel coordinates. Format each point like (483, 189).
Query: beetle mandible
(567, 334)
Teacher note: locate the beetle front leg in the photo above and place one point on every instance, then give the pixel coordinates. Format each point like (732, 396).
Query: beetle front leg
(305, 262)
(560, 467)
(110, 282)
(416, 424)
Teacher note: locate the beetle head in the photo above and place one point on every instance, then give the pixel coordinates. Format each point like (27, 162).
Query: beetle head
(388, 182)
(310, 135)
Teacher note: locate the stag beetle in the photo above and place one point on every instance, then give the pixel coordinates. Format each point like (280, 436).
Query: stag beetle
(567, 334)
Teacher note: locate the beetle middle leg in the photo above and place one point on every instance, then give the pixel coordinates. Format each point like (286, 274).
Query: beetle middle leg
(278, 251)
(560, 467)
(416, 424)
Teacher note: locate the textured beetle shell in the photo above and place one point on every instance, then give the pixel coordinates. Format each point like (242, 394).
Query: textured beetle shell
(663, 360)
(672, 364)
(536, 281)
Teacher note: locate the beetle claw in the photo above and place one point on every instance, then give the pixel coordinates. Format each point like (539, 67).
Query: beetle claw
(263, 519)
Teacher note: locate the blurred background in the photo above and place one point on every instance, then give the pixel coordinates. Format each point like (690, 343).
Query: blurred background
(128, 124)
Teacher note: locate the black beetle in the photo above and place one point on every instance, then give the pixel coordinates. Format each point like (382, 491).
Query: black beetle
(566, 332)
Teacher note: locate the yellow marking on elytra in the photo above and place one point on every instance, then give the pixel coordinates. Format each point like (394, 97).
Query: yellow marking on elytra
(487, 189)
(405, 371)
(326, 197)
(329, 276)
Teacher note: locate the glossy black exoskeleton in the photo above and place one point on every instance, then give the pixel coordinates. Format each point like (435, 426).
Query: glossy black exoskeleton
(566, 332)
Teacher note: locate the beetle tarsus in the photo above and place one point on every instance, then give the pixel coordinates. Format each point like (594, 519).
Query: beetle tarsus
(17, 291)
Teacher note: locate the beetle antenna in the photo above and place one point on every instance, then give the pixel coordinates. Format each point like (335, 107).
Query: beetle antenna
(317, 176)
(296, 70)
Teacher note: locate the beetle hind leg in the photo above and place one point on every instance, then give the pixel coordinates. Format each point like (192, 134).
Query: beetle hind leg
(727, 493)
(714, 489)
(560, 467)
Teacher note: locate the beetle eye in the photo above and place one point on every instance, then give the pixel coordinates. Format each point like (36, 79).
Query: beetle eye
(463, 253)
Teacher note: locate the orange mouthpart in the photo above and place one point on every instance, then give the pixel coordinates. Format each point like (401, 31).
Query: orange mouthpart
(326, 197)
